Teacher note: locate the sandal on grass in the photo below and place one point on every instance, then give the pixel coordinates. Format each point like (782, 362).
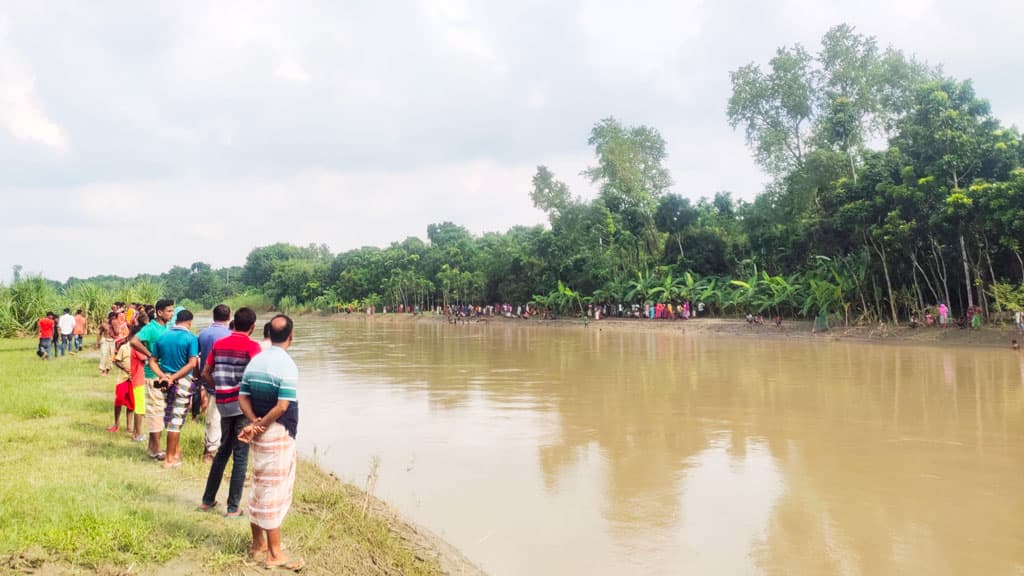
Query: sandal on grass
(158, 455)
(236, 515)
(206, 507)
(289, 565)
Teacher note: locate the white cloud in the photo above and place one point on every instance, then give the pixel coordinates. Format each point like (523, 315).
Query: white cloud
(20, 113)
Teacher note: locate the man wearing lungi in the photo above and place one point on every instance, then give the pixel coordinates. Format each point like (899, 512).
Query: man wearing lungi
(268, 400)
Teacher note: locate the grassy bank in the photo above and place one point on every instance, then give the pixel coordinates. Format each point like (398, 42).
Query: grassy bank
(77, 499)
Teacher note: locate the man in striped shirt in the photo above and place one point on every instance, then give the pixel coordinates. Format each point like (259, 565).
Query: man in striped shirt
(223, 371)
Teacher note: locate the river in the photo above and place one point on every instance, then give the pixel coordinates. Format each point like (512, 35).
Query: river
(541, 450)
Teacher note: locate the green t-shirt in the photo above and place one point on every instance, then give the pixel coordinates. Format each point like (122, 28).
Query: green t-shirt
(148, 336)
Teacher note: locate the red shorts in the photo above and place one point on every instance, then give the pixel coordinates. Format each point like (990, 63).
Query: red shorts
(123, 395)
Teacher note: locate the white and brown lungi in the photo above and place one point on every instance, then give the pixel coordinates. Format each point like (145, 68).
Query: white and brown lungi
(273, 477)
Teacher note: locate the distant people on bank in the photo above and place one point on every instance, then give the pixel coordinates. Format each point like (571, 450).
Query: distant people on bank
(223, 368)
(105, 338)
(79, 330)
(45, 326)
(175, 356)
(268, 399)
(66, 324)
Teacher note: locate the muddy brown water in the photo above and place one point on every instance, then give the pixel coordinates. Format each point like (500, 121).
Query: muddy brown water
(555, 451)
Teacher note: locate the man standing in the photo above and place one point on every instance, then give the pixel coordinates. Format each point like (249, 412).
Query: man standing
(214, 332)
(45, 336)
(268, 399)
(67, 326)
(175, 355)
(225, 363)
(79, 331)
(143, 343)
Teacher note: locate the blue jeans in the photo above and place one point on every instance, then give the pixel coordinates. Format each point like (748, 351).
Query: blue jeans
(44, 348)
(78, 342)
(66, 342)
(230, 428)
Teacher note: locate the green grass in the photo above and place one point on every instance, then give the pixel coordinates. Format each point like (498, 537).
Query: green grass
(83, 499)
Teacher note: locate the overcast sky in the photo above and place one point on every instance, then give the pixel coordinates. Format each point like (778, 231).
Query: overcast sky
(135, 136)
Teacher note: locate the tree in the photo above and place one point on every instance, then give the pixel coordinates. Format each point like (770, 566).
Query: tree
(675, 215)
(548, 194)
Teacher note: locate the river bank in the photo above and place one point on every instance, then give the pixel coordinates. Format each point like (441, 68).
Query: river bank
(990, 336)
(79, 500)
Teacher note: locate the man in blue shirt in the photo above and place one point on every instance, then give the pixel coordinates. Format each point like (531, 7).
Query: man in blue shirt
(175, 355)
(219, 329)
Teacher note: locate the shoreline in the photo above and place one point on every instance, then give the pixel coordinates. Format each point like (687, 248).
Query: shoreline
(136, 518)
(988, 336)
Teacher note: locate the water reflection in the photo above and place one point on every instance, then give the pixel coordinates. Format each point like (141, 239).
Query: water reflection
(570, 451)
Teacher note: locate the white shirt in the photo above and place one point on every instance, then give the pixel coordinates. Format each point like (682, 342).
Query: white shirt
(66, 323)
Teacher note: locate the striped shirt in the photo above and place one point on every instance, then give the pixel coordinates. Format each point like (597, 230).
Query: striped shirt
(270, 377)
(229, 357)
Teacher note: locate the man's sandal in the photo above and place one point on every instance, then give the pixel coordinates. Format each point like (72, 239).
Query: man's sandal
(289, 565)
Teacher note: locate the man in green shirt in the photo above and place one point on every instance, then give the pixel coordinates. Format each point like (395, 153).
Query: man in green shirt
(144, 343)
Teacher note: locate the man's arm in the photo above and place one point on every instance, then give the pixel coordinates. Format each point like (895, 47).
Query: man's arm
(140, 346)
(189, 366)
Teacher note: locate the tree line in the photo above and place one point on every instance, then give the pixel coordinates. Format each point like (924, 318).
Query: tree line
(893, 188)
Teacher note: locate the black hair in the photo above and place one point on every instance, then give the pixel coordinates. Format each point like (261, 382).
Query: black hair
(164, 303)
(184, 315)
(280, 329)
(266, 330)
(67, 310)
(245, 319)
(79, 311)
(221, 313)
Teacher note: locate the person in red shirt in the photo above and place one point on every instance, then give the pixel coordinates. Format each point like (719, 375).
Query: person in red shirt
(45, 335)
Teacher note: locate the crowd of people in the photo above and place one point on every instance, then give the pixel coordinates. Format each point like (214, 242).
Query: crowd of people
(245, 390)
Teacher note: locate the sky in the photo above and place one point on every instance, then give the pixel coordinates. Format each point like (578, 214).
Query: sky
(136, 136)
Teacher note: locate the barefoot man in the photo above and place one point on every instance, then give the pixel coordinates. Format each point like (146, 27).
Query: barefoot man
(268, 400)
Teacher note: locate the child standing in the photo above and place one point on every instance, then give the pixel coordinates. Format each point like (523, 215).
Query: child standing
(124, 395)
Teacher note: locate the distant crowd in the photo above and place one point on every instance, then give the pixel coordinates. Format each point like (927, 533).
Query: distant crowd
(246, 391)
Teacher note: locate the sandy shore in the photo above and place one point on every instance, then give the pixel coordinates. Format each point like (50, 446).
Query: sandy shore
(988, 336)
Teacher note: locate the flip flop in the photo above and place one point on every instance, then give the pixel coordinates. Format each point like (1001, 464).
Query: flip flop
(206, 508)
(236, 515)
(167, 466)
(158, 456)
(294, 565)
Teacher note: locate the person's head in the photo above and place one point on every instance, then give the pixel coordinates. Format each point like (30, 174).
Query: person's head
(112, 316)
(280, 329)
(67, 310)
(78, 312)
(221, 313)
(164, 309)
(245, 320)
(266, 331)
(183, 318)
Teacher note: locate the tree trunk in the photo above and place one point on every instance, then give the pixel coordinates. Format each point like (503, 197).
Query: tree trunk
(967, 272)
(888, 282)
(940, 264)
(913, 259)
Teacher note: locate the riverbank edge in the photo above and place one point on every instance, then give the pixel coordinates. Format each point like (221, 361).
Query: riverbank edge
(989, 336)
(326, 524)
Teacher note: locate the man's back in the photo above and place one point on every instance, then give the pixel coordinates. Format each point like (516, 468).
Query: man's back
(67, 324)
(229, 358)
(175, 348)
(269, 377)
